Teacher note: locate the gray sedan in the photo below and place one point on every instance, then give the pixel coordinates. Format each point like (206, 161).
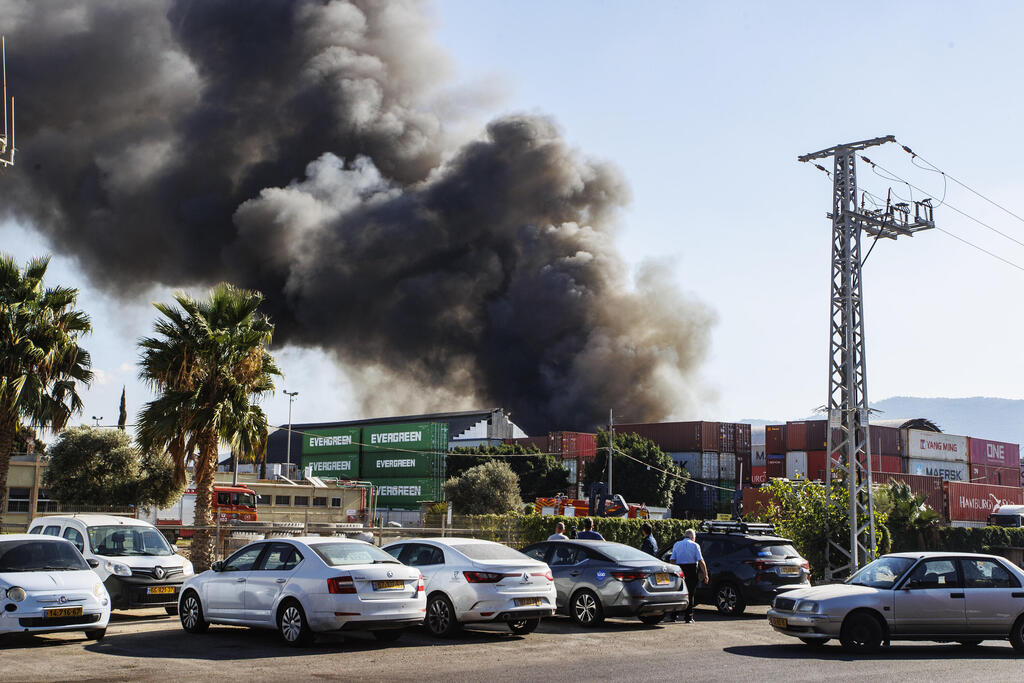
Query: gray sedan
(948, 597)
(595, 579)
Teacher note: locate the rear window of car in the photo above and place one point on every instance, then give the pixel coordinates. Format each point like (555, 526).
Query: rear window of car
(340, 554)
(489, 551)
(623, 553)
(774, 550)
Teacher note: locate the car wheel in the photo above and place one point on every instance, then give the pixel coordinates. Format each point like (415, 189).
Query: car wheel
(440, 619)
(521, 627)
(1017, 635)
(585, 609)
(651, 619)
(95, 634)
(292, 625)
(389, 636)
(171, 609)
(815, 642)
(728, 599)
(191, 614)
(861, 633)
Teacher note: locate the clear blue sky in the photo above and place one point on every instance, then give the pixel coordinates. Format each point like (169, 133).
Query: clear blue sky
(704, 108)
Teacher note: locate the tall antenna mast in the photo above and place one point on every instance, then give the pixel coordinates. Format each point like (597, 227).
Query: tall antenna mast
(7, 140)
(847, 377)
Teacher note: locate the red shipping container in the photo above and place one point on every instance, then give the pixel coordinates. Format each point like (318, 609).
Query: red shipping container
(816, 464)
(573, 445)
(817, 435)
(775, 439)
(974, 502)
(796, 436)
(882, 463)
(742, 439)
(727, 430)
(743, 468)
(885, 440)
(999, 476)
(930, 487)
(993, 453)
(678, 437)
(759, 475)
(776, 468)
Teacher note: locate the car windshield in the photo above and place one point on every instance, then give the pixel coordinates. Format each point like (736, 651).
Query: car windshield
(122, 540)
(339, 554)
(623, 553)
(489, 551)
(882, 573)
(775, 550)
(1005, 520)
(34, 556)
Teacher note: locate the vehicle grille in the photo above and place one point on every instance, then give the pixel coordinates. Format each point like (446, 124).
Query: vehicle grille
(785, 604)
(35, 622)
(144, 598)
(147, 573)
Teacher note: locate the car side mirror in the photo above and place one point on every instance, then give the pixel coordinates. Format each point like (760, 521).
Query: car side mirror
(92, 563)
(217, 566)
(174, 549)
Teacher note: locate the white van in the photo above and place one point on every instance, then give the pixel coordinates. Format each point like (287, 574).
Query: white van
(1007, 515)
(136, 564)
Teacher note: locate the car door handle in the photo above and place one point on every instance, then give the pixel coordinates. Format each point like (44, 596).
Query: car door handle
(956, 595)
(281, 580)
(239, 580)
(574, 573)
(1017, 595)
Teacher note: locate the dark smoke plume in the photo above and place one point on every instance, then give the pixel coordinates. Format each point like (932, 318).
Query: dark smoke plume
(301, 148)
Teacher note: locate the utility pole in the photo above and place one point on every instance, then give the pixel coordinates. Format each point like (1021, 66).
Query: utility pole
(847, 377)
(97, 420)
(611, 447)
(288, 466)
(7, 139)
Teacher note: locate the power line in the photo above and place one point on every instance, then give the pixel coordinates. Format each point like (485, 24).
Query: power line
(972, 244)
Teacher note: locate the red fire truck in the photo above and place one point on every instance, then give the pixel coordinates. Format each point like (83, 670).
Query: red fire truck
(228, 504)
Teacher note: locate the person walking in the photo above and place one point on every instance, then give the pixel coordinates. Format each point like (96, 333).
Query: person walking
(649, 544)
(686, 553)
(588, 532)
(559, 534)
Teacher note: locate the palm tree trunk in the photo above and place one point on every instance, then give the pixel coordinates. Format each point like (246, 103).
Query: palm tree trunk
(203, 542)
(8, 428)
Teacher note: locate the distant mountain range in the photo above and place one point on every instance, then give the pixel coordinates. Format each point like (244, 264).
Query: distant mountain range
(999, 419)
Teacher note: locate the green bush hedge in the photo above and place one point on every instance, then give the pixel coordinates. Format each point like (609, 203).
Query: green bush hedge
(522, 530)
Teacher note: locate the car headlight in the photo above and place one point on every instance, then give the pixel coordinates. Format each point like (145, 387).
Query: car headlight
(807, 606)
(118, 568)
(16, 593)
(98, 590)
(187, 569)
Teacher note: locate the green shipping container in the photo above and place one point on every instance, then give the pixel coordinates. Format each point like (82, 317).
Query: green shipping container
(336, 440)
(413, 436)
(407, 492)
(400, 464)
(332, 465)
(727, 494)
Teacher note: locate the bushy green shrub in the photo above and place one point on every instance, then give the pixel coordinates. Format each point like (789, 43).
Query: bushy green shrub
(522, 530)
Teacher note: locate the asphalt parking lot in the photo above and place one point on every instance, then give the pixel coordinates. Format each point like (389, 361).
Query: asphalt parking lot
(148, 645)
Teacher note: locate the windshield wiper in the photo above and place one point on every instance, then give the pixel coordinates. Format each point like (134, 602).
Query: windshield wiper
(386, 562)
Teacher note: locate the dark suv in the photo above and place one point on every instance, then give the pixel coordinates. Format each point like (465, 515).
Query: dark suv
(747, 565)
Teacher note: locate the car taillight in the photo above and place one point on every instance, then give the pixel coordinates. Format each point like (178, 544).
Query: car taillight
(342, 584)
(629, 576)
(419, 584)
(805, 564)
(681, 575)
(547, 575)
(760, 565)
(484, 577)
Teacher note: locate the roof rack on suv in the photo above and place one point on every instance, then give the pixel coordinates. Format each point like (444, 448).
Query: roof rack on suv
(741, 527)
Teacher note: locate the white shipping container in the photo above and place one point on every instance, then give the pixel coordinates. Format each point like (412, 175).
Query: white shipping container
(934, 446)
(757, 456)
(709, 466)
(688, 461)
(796, 465)
(950, 471)
(727, 466)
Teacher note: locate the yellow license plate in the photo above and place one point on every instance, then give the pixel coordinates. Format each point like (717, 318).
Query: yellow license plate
(160, 590)
(662, 579)
(789, 571)
(527, 602)
(63, 612)
(778, 622)
(387, 585)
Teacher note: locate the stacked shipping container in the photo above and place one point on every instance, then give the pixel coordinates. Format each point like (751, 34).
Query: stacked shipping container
(936, 455)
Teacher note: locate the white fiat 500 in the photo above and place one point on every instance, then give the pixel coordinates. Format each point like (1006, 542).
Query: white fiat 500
(468, 580)
(46, 585)
(301, 586)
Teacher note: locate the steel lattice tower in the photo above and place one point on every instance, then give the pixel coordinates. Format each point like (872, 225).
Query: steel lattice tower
(847, 368)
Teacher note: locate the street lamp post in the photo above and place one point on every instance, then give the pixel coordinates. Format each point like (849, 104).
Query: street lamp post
(288, 462)
(97, 419)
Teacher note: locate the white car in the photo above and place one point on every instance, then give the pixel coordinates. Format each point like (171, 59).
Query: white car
(305, 585)
(469, 580)
(136, 564)
(46, 585)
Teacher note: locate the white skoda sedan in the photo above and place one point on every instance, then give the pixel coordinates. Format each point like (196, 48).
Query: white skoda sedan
(302, 586)
(468, 580)
(46, 586)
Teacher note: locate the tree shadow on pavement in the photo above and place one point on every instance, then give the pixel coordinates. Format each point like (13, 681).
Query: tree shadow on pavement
(835, 653)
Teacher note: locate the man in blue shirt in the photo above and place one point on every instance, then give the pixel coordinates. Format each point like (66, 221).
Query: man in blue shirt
(649, 544)
(588, 532)
(686, 553)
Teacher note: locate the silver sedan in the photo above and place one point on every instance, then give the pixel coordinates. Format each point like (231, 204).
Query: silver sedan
(948, 597)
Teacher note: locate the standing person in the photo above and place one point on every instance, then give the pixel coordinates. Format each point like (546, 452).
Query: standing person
(588, 532)
(649, 544)
(559, 534)
(686, 553)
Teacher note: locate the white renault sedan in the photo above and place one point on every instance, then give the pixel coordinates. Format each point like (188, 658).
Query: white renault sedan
(468, 580)
(948, 597)
(46, 586)
(301, 586)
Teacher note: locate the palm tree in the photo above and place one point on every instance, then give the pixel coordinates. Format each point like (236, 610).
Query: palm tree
(209, 364)
(40, 359)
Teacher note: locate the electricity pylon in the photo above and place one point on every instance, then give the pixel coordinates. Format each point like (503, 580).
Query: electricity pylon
(847, 405)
